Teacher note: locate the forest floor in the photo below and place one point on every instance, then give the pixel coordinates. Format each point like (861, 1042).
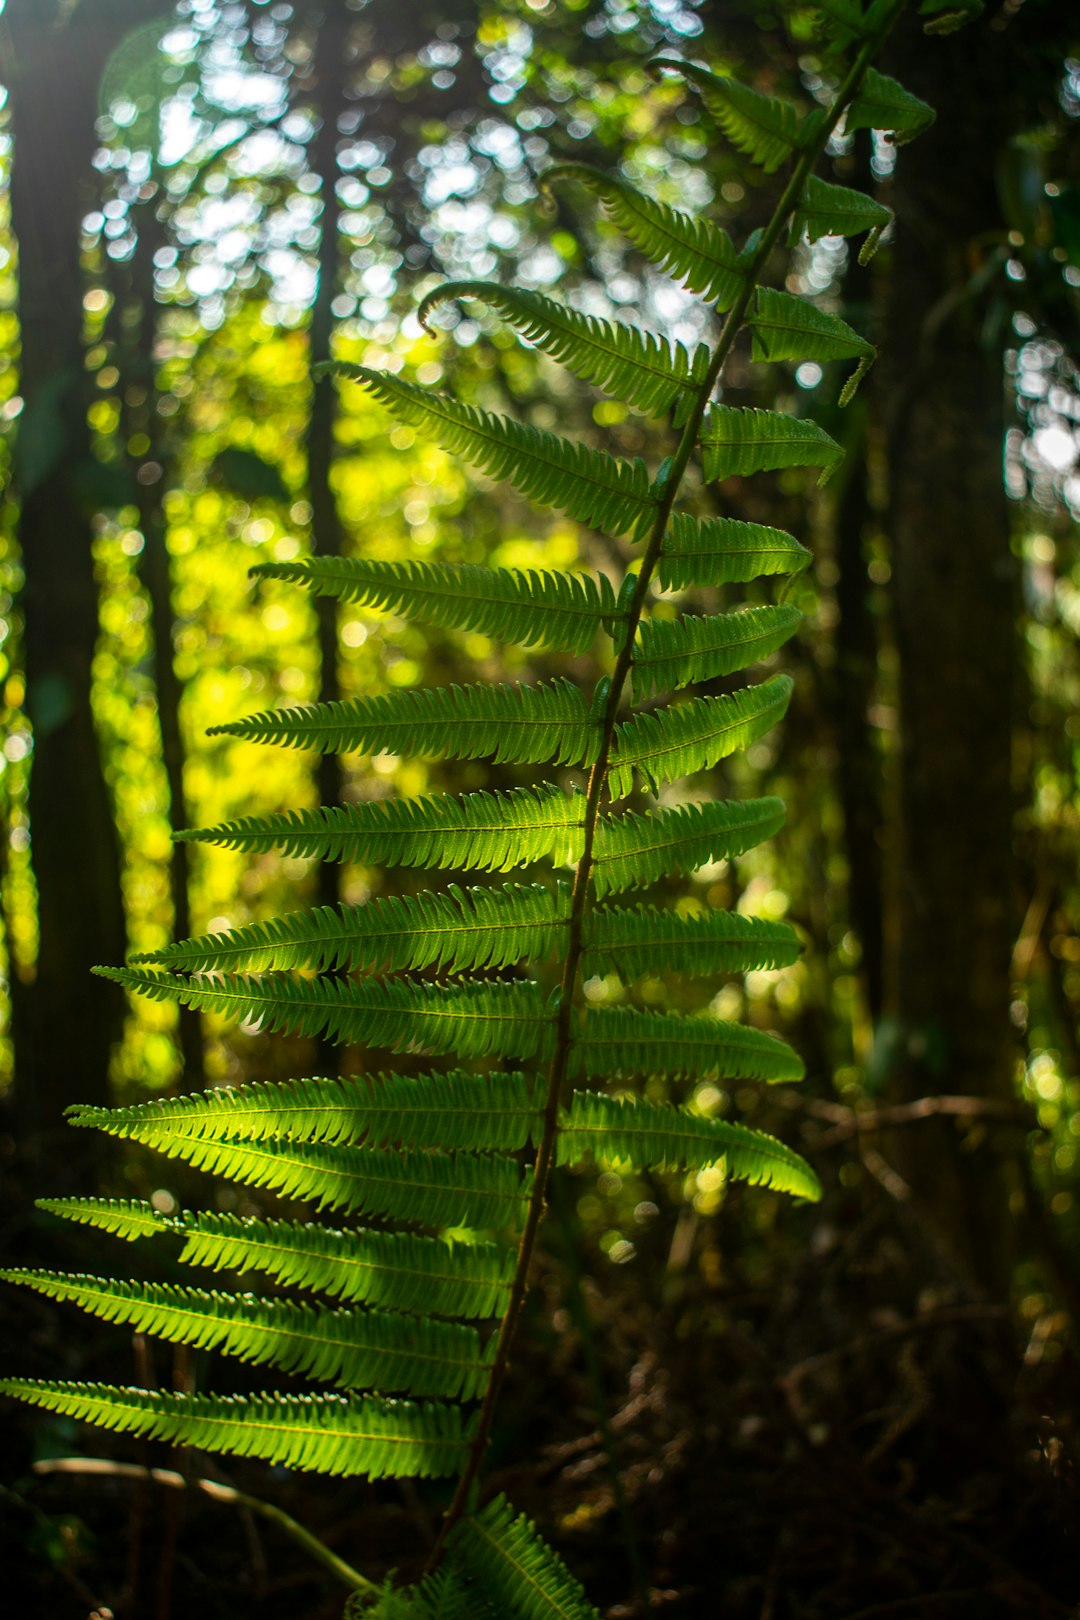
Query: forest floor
(832, 1432)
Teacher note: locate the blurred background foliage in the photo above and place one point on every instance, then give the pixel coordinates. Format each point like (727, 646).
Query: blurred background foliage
(202, 199)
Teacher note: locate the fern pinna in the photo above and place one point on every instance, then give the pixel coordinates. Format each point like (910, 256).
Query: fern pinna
(410, 1320)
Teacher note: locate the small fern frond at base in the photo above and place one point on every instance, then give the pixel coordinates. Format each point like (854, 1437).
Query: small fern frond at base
(488, 832)
(333, 1434)
(652, 1136)
(519, 724)
(694, 735)
(560, 611)
(458, 930)
(515, 1570)
(358, 1349)
(474, 1018)
(634, 850)
(623, 1041)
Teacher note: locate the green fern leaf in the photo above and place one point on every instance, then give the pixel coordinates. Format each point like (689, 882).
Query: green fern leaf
(739, 441)
(725, 551)
(514, 1568)
(642, 939)
(768, 130)
(522, 724)
(788, 328)
(358, 1349)
(655, 1136)
(885, 105)
(674, 652)
(401, 1271)
(595, 488)
(694, 735)
(490, 832)
(637, 367)
(632, 851)
(561, 611)
(623, 1041)
(828, 210)
(481, 1112)
(698, 254)
(476, 1018)
(456, 929)
(333, 1434)
(121, 1217)
(437, 1189)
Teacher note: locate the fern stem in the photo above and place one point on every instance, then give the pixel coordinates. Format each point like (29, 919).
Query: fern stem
(560, 1059)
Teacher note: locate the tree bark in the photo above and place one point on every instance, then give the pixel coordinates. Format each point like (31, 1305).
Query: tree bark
(949, 987)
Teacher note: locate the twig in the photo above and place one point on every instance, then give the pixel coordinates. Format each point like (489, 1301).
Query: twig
(961, 1107)
(103, 1468)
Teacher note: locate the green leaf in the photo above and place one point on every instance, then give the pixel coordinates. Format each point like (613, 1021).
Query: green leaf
(737, 441)
(656, 1136)
(634, 850)
(491, 832)
(331, 1434)
(476, 1018)
(358, 1349)
(698, 254)
(522, 724)
(645, 940)
(767, 129)
(439, 1189)
(885, 105)
(636, 366)
(514, 1568)
(562, 611)
(828, 210)
(674, 652)
(694, 735)
(455, 1110)
(401, 1271)
(789, 328)
(455, 929)
(597, 489)
(623, 1041)
(725, 551)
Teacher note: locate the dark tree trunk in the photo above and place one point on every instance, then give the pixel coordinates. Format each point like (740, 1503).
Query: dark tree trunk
(954, 625)
(71, 1020)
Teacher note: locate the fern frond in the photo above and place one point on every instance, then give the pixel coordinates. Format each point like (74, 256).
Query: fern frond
(694, 735)
(725, 551)
(556, 610)
(828, 210)
(588, 485)
(767, 129)
(736, 440)
(519, 724)
(637, 367)
(642, 939)
(514, 1568)
(476, 1018)
(623, 1041)
(358, 1349)
(674, 652)
(333, 1434)
(401, 1271)
(437, 1189)
(883, 104)
(481, 1112)
(455, 929)
(125, 1218)
(656, 1136)
(788, 328)
(697, 253)
(488, 832)
(632, 851)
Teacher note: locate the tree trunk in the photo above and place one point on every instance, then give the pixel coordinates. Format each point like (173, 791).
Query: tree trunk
(949, 989)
